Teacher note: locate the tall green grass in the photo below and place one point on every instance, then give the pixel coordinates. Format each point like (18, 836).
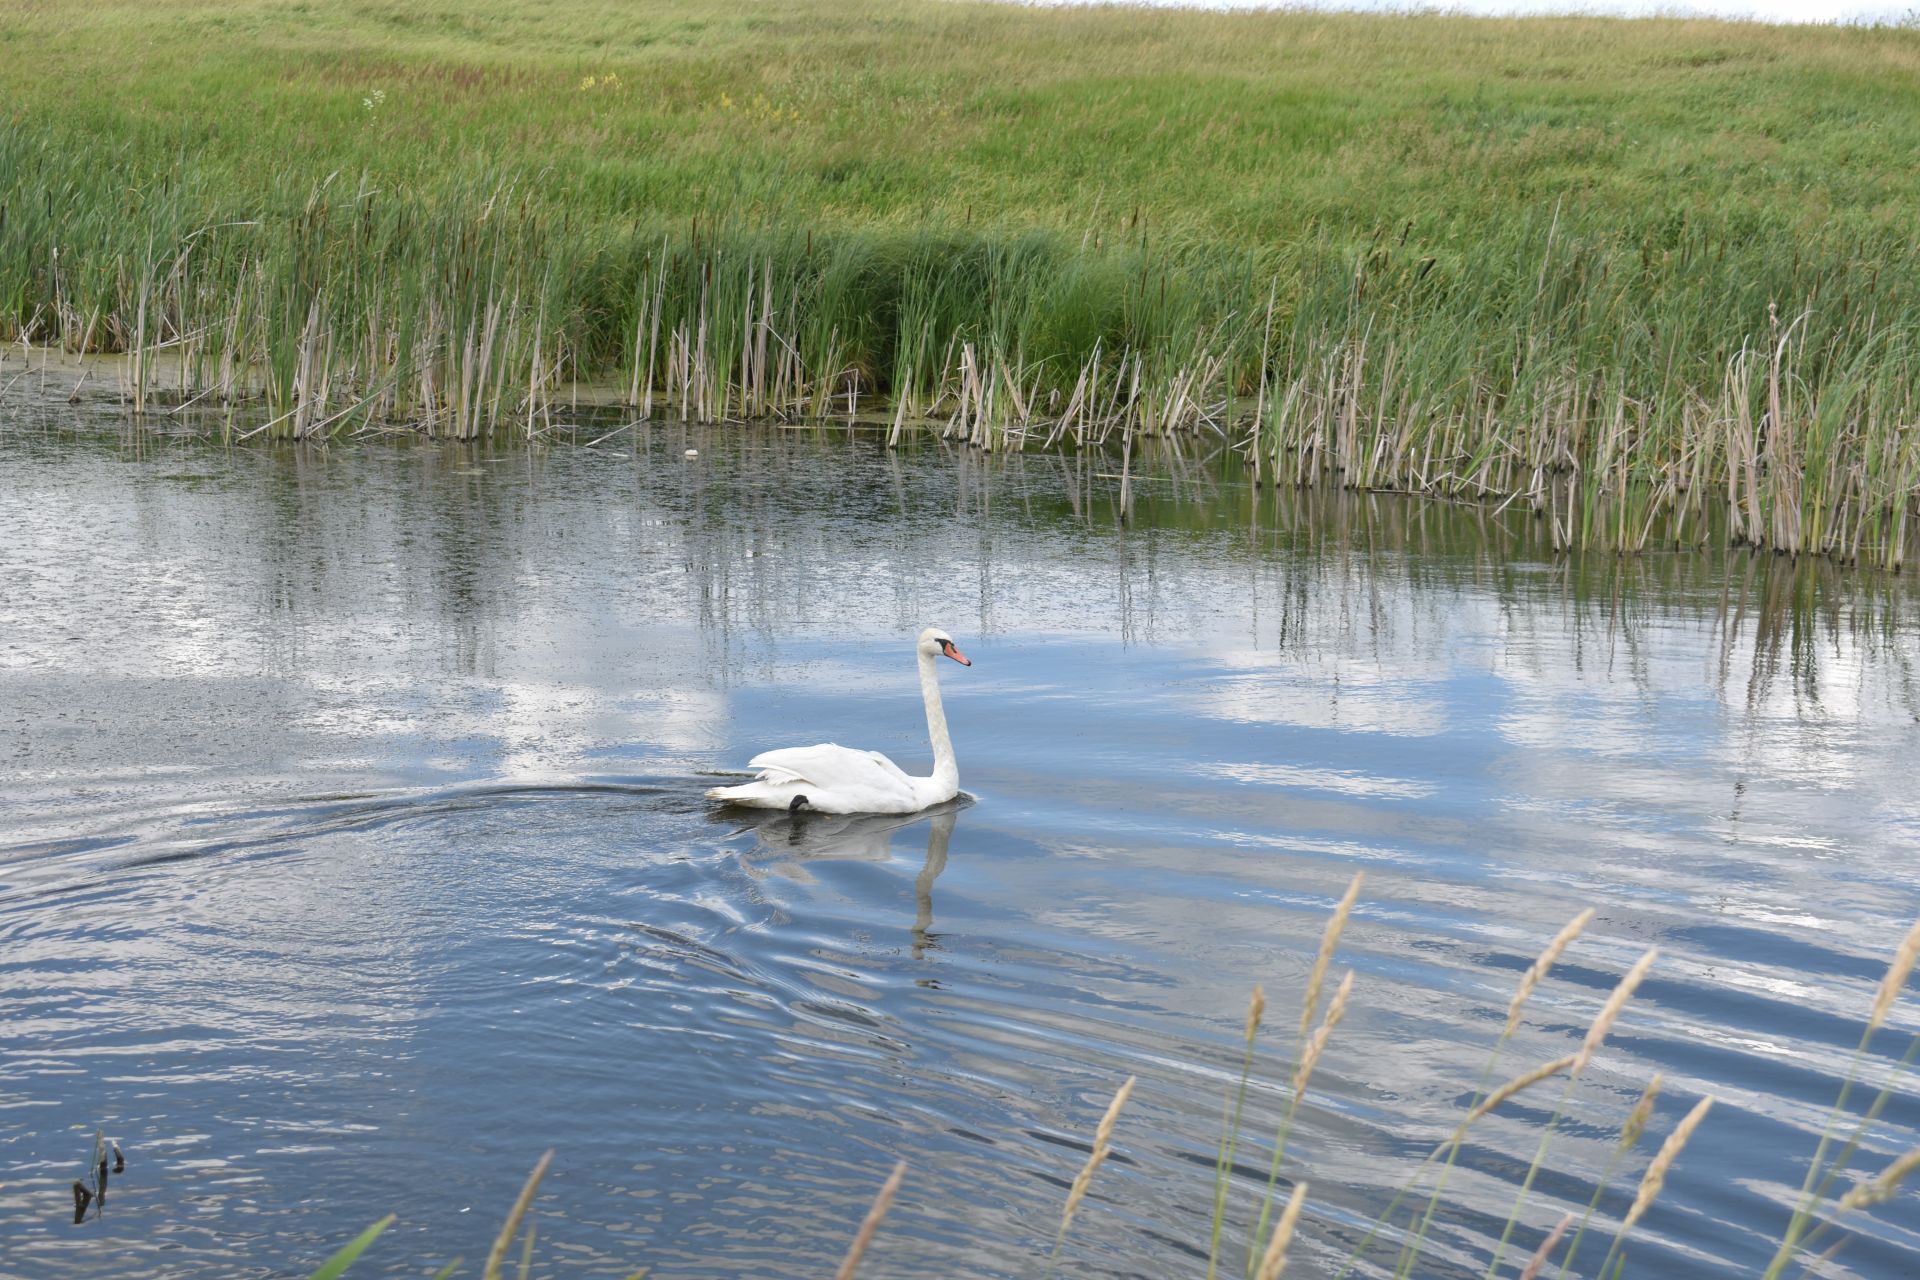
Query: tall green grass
(1652, 280)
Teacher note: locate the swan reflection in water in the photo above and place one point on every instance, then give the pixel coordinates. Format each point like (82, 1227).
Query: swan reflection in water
(785, 842)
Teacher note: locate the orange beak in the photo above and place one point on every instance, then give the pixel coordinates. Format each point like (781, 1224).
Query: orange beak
(955, 654)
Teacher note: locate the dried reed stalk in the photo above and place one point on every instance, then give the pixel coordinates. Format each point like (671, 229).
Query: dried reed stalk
(870, 1225)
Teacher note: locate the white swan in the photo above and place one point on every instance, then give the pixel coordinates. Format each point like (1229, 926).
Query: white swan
(832, 779)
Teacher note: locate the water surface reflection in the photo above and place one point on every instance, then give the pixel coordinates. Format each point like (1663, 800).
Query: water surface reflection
(355, 852)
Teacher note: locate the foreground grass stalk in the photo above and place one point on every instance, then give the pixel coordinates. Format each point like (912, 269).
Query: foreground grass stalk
(1814, 1186)
(1629, 1138)
(870, 1225)
(1102, 1144)
(1302, 1074)
(498, 1254)
(1274, 1260)
(1310, 1047)
(1230, 1130)
(1529, 981)
(348, 1253)
(1656, 1177)
(1596, 1036)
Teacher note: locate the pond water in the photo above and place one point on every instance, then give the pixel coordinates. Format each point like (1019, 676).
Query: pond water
(354, 854)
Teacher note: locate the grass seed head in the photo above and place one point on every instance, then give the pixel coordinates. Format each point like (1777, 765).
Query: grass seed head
(1602, 1024)
(1329, 941)
(1274, 1260)
(1538, 969)
(1896, 977)
(1656, 1175)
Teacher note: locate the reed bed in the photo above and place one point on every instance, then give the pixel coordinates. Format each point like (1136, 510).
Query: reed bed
(1629, 394)
(1653, 281)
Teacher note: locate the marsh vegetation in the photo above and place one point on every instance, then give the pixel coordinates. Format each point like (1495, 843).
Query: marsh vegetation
(1652, 280)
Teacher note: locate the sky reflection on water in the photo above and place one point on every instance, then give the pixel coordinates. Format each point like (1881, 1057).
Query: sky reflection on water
(354, 853)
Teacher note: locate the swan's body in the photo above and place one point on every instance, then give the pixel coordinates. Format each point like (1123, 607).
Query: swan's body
(832, 779)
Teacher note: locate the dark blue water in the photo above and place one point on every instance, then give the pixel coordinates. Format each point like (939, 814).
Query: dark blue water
(353, 854)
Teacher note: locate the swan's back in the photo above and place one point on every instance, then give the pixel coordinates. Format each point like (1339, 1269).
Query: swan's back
(831, 778)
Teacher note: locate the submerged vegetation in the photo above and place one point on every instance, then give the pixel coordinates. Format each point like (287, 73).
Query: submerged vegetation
(1654, 280)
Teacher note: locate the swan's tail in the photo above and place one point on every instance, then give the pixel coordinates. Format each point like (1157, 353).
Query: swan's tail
(758, 794)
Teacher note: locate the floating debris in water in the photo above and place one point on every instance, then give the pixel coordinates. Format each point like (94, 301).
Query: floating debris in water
(99, 1170)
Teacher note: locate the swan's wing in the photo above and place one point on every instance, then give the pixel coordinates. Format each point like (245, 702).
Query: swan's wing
(830, 767)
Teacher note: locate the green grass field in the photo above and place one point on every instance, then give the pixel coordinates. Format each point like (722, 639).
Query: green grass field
(1632, 273)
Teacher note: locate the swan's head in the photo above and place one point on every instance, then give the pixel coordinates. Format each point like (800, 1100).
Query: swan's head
(935, 643)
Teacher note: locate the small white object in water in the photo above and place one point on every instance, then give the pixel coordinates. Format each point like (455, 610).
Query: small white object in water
(693, 453)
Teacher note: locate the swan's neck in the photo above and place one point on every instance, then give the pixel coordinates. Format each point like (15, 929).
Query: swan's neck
(946, 772)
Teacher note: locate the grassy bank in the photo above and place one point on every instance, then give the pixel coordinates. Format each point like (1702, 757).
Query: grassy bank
(1633, 274)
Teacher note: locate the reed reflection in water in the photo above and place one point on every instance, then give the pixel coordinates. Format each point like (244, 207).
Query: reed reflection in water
(354, 837)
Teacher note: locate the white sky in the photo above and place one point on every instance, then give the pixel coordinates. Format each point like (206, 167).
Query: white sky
(1768, 10)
